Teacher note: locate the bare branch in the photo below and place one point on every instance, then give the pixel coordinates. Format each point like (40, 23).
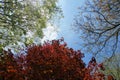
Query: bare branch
(100, 23)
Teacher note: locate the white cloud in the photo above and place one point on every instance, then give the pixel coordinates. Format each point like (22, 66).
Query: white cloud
(50, 32)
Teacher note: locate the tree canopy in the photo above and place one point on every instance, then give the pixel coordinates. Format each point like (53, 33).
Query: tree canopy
(99, 24)
(50, 61)
(18, 17)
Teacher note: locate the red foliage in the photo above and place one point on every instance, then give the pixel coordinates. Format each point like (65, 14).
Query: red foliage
(9, 69)
(50, 61)
(54, 61)
(93, 71)
(110, 77)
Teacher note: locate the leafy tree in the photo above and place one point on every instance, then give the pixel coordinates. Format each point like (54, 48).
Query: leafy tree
(9, 69)
(99, 25)
(50, 61)
(113, 69)
(18, 17)
(54, 61)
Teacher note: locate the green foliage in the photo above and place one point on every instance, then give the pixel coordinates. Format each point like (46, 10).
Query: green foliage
(17, 17)
(113, 66)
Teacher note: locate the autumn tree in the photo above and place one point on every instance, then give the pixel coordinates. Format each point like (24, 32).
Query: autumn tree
(51, 61)
(99, 24)
(9, 69)
(18, 17)
(54, 60)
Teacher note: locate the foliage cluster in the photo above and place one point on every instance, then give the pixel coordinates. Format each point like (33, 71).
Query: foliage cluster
(19, 17)
(50, 61)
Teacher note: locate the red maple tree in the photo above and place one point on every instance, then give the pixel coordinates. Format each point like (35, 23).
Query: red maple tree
(51, 61)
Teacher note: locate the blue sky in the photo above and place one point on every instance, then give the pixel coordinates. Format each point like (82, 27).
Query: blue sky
(64, 29)
(70, 9)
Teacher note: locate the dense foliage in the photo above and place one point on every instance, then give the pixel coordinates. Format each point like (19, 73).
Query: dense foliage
(50, 61)
(19, 17)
